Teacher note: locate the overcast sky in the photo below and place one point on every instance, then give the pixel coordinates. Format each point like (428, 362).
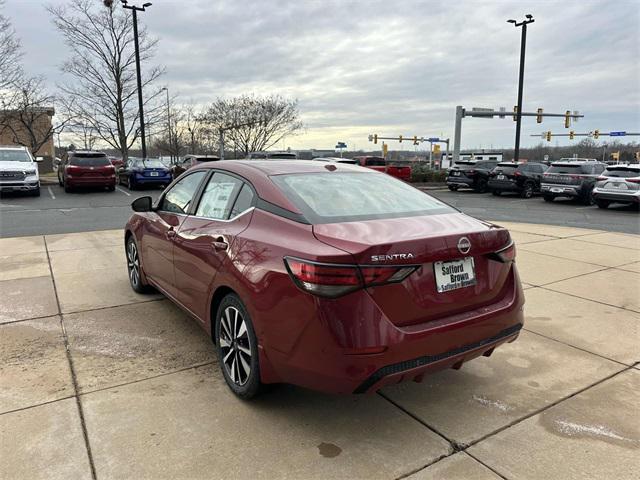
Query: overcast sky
(389, 67)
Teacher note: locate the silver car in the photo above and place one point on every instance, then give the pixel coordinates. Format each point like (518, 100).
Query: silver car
(618, 184)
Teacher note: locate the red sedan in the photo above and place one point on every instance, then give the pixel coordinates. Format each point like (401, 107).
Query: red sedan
(329, 276)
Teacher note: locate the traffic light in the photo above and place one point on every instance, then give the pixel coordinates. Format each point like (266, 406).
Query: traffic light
(548, 136)
(596, 133)
(415, 140)
(400, 138)
(539, 116)
(375, 138)
(515, 113)
(571, 134)
(385, 150)
(567, 119)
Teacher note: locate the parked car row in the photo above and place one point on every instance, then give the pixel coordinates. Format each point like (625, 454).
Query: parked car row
(585, 180)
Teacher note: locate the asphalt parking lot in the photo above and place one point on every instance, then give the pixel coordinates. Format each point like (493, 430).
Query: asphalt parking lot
(88, 210)
(100, 382)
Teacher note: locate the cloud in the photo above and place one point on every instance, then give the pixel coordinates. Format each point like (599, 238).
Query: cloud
(360, 67)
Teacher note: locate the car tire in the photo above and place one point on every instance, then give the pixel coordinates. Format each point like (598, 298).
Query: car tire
(496, 193)
(36, 193)
(453, 188)
(131, 185)
(588, 198)
(67, 188)
(481, 187)
(603, 203)
(548, 198)
(134, 267)
(527, 190)
(111, 188)
(237, 347)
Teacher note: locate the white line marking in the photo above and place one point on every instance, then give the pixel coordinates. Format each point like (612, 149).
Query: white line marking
(126, 193)
(53, 197)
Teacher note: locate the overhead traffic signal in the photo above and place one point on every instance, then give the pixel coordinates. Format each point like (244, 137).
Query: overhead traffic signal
(385, 150)
(539, 116)
(400, 138)
(548, 136)
(375, 138)
(567, 119)
(515, 113)
(571, 134)
(596, 133)
(415, 140)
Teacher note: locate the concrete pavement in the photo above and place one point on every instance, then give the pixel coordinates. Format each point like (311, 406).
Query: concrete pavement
(99, 382)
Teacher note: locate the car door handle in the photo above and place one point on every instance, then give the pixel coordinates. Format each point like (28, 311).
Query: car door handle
(220, 244)
(171, 233)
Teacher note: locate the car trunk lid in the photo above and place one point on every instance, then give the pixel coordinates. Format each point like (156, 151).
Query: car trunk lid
(423, 241)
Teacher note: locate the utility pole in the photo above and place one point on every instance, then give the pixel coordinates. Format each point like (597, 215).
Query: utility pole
(169, 124)
(135, 11)
(523, 44)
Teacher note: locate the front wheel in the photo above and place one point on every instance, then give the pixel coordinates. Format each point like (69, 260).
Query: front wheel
(602, 203)
(453, 188)
(496, 193)
(548, 198)
(588, 199)
(527, 191)
(482, 186)
(134, 268)
(237, 348)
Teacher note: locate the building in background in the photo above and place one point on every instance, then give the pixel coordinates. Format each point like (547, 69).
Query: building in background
(31, 128)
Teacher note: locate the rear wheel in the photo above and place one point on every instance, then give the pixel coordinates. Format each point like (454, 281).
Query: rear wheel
(548, 198)
(588, 199)
(134, 268)
(482, 186)
(453, 188)
(496, 193)
(527, 190)
(603, 203)
(237, 348)
(131, 185)
(111, 188)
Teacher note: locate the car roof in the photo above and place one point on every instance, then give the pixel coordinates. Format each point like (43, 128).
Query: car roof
(13, 147)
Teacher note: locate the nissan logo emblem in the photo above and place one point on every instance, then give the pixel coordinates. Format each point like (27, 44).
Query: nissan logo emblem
(464, 245)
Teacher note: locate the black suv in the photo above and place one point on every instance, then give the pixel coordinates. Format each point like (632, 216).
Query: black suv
(470, 174)
(522, 178)
(571, 178)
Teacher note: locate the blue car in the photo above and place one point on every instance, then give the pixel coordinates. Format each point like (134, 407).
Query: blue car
(137, 172)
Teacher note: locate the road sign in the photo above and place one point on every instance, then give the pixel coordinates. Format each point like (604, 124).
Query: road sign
(617, 134)
(341, 145)
(546, 158)
(476, 109)
(432, 140)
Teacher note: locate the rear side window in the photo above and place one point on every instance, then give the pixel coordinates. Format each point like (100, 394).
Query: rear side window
(179, 198)
(622, 172)
(218, 197)
(349, 196)
(89, 160)
(243, 202)
(374, 162)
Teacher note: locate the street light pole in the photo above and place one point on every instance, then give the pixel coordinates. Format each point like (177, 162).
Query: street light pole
(135, 11)
(169, 122)
(523, 44)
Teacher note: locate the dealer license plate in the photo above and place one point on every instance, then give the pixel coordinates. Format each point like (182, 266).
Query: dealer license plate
(501, 177)
(455, 174)
(556, 190)
(454, 274)
(154, 174)
(616, 186)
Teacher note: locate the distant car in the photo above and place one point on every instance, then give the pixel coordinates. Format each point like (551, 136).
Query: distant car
(348, 161)
(19, 171)
(522, 178)
(381, 165)
(618, 184)
(571, 178)
(116, 162)
(191, 161)
(137, 172)
(273, 155)
(470, 174)
(86, 168)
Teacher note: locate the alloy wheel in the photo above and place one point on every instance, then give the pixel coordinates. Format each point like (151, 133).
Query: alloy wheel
(235, 346)
(133, 264)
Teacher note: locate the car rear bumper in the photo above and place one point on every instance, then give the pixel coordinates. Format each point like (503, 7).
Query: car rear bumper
(503, 185)
(617, 196)
(19, 186)
(140, 179)
(91, 182)
(461, 181)
(561, 190)
(376, 352)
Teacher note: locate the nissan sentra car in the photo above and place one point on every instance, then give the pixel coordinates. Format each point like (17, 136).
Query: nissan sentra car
(329, 276)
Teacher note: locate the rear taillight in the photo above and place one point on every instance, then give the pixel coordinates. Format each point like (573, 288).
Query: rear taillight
(633, 180)
(335, 280)
(504, 255)
(471, 172)
(600, 179)
(516, 174)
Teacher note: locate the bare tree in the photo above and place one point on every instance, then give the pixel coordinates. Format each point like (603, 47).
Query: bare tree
(103, 89)
(254, 123)
(25, 115)
(10, 52)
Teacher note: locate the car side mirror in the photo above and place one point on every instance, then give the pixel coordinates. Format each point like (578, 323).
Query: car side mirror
(39, 159)
(142, 204)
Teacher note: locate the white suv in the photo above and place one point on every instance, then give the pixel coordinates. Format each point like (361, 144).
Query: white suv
(18, 171)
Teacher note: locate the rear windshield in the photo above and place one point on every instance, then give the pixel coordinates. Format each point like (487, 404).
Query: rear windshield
(622, 172)
(375, 162)
(207, 159)
(287, 156)
(148, 163)
(89, 160)
(353, 196)
(14, 156)
(506, 168)
(575, 169)
(465, 162)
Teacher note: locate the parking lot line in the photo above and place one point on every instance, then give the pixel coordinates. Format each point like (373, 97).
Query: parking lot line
(126, 193)
(53, 197)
